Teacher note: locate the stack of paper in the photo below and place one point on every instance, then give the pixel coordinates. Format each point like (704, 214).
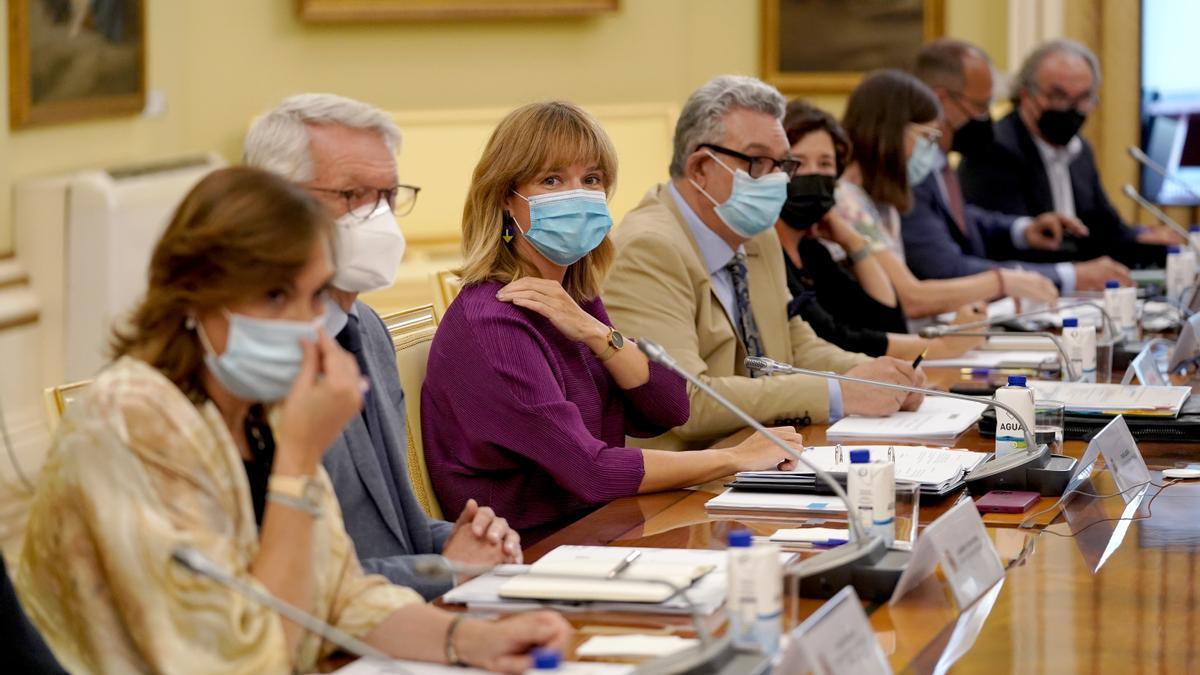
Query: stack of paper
(483, 593)
(556, 578)
(980, 358)
(1113, 399)
(765, 502)
(938, 419)
(369, 666)
(936, 470)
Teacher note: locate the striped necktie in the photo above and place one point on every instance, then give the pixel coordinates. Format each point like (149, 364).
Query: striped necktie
(747, 326)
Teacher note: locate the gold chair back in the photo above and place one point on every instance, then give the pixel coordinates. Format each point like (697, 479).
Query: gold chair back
(446, 286)
(412, 333)
(58, 399)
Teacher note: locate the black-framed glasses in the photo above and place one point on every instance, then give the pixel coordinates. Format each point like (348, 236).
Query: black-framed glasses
(968, 106)
(758, 165)
(362, 202)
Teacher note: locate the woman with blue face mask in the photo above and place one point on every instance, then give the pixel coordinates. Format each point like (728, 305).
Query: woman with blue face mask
(892, 123)
(530, 391)
(206, 434)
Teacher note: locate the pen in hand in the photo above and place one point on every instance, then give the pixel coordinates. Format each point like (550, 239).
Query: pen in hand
(917, 361)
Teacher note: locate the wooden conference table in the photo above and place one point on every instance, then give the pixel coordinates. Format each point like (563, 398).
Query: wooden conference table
(1120, 596)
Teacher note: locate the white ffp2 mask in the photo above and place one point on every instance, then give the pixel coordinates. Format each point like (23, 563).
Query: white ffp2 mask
(368, 251)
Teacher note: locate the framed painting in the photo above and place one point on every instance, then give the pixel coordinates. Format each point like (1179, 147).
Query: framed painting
(71, 60)
(826, 45)
(320, 11)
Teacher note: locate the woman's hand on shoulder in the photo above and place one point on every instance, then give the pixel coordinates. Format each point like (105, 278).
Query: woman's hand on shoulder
(549, 299)
(326, 394)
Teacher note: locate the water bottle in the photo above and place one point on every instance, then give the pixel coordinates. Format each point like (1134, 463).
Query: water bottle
(1121, 305)
(1080, 344)
(755, 593)
(1179, 272)
(1010, 435)
(871, 487)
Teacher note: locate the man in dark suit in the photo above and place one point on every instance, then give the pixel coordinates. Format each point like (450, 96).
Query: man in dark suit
(944, 236)
(344, 152)
(1038, 162)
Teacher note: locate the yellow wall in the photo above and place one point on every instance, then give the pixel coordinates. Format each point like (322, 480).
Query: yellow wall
(221, 61)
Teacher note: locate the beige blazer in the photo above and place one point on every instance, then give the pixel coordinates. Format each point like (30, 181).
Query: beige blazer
(660, 288)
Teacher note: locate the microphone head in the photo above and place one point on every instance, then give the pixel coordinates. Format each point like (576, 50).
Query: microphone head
(932, 331)
(1130, 192)
(655, 352)
(759, 363)
(193, 560)
(1136, 152)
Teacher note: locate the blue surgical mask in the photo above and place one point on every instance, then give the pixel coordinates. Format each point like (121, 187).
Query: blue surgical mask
(754, 203)
(922, 160)
(262, 356)
(565, 226)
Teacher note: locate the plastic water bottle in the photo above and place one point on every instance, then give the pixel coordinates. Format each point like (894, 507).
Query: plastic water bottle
(871, 487)
(755, 593)
(1010, 435)
(1121, 305)
(1179, 272)
(1194, 236)
(1080, 344)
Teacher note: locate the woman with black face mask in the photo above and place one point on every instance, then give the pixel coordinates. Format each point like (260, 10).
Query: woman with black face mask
(850, 303)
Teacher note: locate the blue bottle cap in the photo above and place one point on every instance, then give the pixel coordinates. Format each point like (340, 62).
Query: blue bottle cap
(1173, 249)
(1016, 380)
(860, 456)
(546, 659)
(739, 539)
(1070, 322)
(1194, 228)
(1112, 283)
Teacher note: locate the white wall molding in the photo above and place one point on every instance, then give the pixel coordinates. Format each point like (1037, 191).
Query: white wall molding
(1030, 23)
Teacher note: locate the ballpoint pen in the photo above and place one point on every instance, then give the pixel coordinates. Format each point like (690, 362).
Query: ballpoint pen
(919, 359)
(624, 564)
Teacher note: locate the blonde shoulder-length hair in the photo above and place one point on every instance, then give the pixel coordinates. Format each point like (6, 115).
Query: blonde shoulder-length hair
(528, 141)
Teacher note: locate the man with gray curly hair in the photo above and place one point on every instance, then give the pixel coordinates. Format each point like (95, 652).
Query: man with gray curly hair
(1039, 162)
(699, 270)
(344, 153)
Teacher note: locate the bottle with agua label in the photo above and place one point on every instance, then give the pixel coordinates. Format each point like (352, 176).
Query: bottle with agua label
(1010, 436)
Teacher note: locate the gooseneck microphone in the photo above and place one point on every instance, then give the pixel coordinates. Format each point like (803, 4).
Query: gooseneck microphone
(1007, 469)
(938, 331)
(942, 329)
(1142, 158)
(195, 561)
(864, 562)
(1160, 215)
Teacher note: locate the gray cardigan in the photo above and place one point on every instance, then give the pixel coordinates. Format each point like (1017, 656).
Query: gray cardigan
(390, 536)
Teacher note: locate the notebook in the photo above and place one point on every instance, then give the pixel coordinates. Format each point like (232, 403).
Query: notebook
(938, 419)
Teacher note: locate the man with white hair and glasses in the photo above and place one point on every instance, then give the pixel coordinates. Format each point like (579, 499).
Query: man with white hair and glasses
(344, 153)
(699, 270)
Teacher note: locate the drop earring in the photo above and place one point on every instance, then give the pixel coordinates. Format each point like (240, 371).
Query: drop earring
(506, 228)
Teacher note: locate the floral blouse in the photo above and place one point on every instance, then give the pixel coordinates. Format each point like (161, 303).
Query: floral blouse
(137, 470)
(878, 223)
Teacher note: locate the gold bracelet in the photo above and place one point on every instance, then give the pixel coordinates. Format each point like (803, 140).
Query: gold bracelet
(451, 653)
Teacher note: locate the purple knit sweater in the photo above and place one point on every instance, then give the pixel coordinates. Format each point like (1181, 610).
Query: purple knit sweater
(530, 423)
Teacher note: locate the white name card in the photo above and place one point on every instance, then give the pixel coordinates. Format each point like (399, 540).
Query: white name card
(1144, 368)
(1123, 458)
(960, 543)
(1187, 347)
(836, 639)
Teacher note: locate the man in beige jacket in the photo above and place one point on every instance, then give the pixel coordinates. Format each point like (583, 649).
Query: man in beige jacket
(700, 271)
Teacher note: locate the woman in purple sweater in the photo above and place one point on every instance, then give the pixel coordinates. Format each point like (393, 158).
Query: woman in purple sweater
(530, 392)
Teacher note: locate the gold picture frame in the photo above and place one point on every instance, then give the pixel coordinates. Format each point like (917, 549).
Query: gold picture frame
(54, 47)
(869, 46)
(335, 11)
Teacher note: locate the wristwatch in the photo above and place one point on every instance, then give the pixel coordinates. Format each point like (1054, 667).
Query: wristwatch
(298, 492)
(615, 342)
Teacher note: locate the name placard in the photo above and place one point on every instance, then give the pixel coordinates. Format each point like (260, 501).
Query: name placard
(1122, 456)
(836, 639)
(1187, 347)
(958, 541)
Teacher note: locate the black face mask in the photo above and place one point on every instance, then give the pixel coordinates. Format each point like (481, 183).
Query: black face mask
(1058, 127)
(809, 198)
(974, 136)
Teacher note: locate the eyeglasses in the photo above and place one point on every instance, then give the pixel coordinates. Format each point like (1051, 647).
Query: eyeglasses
(968, 106)
(1061, 100)
(759, 166)
(931, 133)
(362, 202)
